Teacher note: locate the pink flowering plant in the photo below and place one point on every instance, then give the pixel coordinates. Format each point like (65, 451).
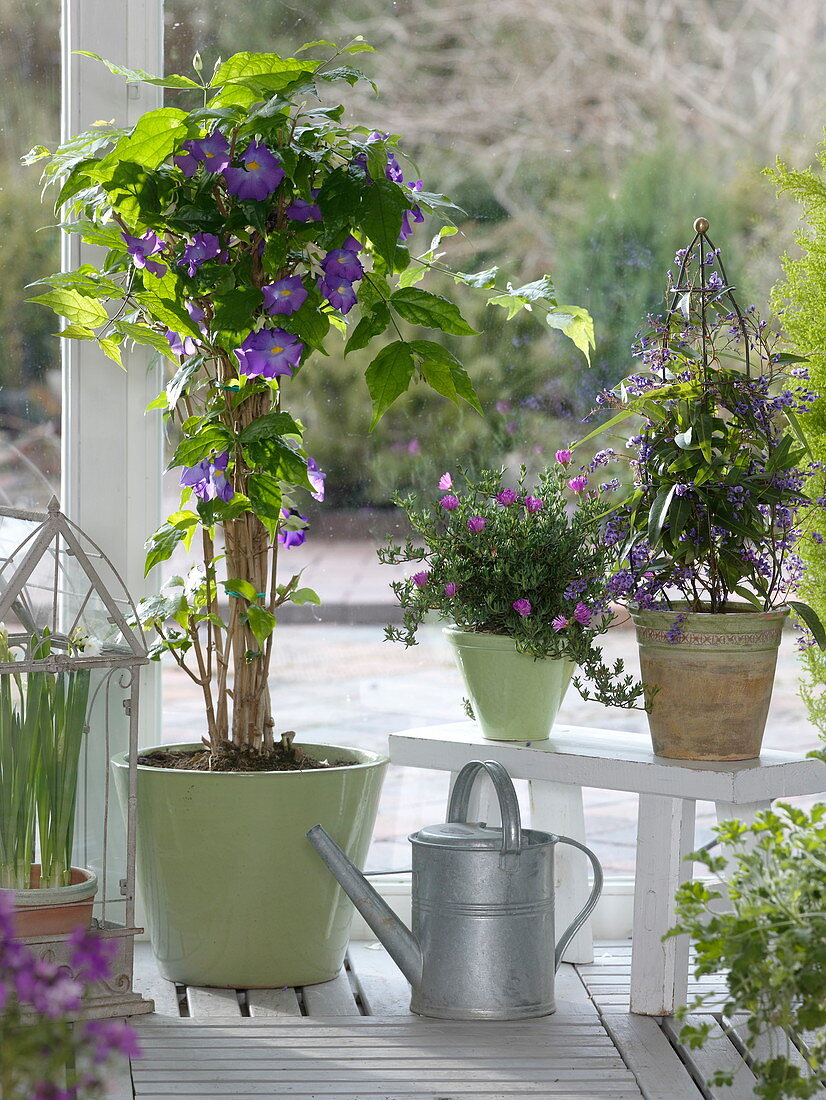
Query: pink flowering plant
(241, 240)
(527, 563)
(720, 466)
(43, 1054)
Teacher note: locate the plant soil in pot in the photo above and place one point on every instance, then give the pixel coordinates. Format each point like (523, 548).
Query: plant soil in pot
(56, 910)
(514, 697)
(709, 679)
(234, 894)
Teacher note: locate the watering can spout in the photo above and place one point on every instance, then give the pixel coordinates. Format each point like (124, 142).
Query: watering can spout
(400, 942)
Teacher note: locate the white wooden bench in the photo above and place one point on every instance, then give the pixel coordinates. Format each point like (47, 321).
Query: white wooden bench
(577, 757)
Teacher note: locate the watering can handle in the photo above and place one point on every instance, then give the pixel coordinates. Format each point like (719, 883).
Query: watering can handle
(508, 804)
(587, 908)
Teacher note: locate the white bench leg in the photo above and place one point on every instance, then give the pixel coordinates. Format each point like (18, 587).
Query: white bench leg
(659, 970)
(557, 808)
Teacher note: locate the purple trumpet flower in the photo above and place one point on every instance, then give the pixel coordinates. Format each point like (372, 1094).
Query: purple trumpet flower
(181, 345)
(291, 538)
(316, 477)
(300, 210)
(260, 176)
(207, 478)
(339, 292)
(205, 246)
(343, 263)
(212, 151)
(141, 248)
(416, 212)
(269, 353)
(285, 296)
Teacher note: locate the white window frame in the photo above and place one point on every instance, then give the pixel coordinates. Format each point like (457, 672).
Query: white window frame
(112, 450)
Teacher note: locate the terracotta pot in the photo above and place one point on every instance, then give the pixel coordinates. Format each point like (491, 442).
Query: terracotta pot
(235, 894)
(56, 910)
(710, 689)
(514, 697)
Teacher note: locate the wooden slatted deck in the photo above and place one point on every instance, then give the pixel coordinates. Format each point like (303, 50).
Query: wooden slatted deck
(355, 1039)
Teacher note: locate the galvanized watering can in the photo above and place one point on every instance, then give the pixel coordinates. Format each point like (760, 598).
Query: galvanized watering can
(482, 945)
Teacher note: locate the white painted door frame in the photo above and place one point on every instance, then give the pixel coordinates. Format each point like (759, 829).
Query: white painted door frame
(112, 456)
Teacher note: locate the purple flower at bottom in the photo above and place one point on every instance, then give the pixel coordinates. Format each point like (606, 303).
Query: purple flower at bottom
(300, 210)
(112, 1036)
(421, 579)
(476, 523)
(342, 263)
(450, 588)
(450, 503)
(286, 296)
(269, 353)
(316, 476)
(207, 478)
(338, 291)
(260, 176)
(212, 152)
(578, 484)
(582, 613)
(522, 607)
(507, 497)
(559, 623)
(288, 538)
(534, 504)
(91, 956)
(205, 246)
(140, 248)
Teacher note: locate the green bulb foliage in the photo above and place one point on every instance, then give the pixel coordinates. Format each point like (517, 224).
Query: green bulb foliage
(801, 297)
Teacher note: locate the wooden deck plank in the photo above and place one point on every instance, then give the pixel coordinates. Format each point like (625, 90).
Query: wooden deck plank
(335, 998)
(651, 1058)
(148, 981)
(273, 1002)
(717, 1053)
(383, 989)
(208, 1001)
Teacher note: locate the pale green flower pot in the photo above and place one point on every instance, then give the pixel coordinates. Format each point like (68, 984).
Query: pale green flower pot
(514, 697)
(235, 894)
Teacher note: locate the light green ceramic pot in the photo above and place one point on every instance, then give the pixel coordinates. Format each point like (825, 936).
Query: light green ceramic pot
(514, 697)
(235, 894)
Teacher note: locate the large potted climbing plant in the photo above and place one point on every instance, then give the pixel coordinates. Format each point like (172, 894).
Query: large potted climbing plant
(240, 239)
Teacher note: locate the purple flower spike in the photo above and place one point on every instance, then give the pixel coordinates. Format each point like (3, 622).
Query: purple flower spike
(338, 291)
(507, 497)
(212, 151)
(269, 353)
(450, 588)
(300, 210)
(421, 579)
(260, 176)
(342, 263)
(290, 539)
(450, 503)
(286, 296)
(534, 504)
(559, 623)
(476, 523)
(207, 478)
(205, 246)
(522, 607)
(316, 478)
(578, 484)
(141, 248)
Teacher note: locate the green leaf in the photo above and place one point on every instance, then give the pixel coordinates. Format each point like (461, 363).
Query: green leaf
(159, 546)
(169, 313)
(235, 313)
(412, 275)
(191, 449)
(237, 586)
(264, 492)
(811, 620)
(179, 381)
(305, 595)
(444, 373)
(370, 325)
(111, 349)
(348, 73)
(155, 136)
(262, 73)
(577, 324)
(75, 307)
(269, 425)
(141, 334)
(658, 513)
(388, 376)
(383, 204)
(420, 307)
(138, 75)
(77, 332)
(261, 622)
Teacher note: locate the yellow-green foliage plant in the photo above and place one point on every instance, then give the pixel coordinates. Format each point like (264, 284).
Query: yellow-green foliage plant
(801, 297)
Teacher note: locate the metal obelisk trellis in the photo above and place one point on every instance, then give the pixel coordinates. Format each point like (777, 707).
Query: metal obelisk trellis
(70, 620)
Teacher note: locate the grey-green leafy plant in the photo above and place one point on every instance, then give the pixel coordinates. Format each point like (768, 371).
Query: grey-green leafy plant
(240, 240)
(766, 928)
(42, 725)
(802, 299)
(522, 561)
